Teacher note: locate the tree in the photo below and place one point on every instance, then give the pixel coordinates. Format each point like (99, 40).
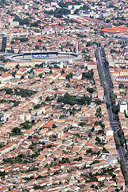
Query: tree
(21, 21)
(9, 91)
(121, 86)
(113, 97)
(90, 90)
(95, 162)
(70, 75)
(62, 72)
(54, 126)
(82, 124)
(98, 101)
(104, 150)
(78, 159)
(64, 160)
(48, 98)
(115, 109)
(107, 105)
(2, 144)
(87, 58)
(40, 75)
(27, 125)
(98, 112)
(40, 40)
(105, 91)
(59, 12)
(36, 46)
(13, 73)
(67, 99)
(50, 71)
(88, 44)
(12, 42)
(90, 135)
(16, 131)
(17, 66)
(23, 39)
(125, 114)
(88, 75)
(35, 24)
(22, 76)
(4, 41)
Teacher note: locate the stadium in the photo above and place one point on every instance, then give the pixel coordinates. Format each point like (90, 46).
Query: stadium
(44, 56)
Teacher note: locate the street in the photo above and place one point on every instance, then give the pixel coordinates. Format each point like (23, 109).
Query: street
(113, 118)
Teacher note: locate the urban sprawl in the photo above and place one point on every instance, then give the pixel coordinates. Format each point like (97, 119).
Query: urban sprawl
(64, 95)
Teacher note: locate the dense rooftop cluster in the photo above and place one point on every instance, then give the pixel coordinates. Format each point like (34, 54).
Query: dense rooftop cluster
(60, 136)
(55, 133)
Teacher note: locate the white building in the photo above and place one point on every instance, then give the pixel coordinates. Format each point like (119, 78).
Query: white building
(123, 106)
